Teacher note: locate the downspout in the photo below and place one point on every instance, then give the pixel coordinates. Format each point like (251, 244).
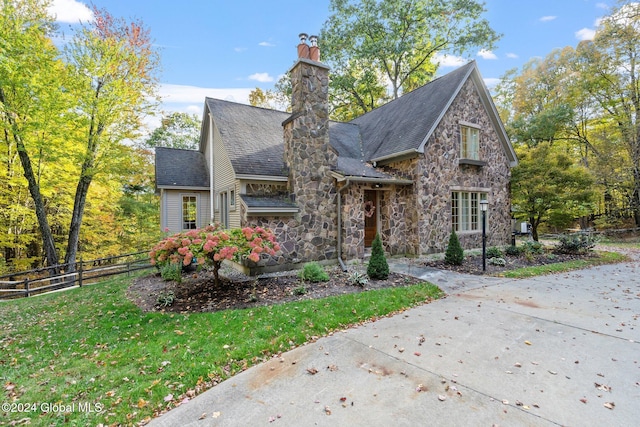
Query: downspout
(342, 264)
(212, 212)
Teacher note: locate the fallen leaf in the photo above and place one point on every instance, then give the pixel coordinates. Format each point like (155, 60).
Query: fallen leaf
(518, 365)
(553, 372)
(417, 353)
(141, 403)
(401, 349)
(312, 371)
(203, 416)
(178, 332)
(527, 342)
(442, 397)
(609, 405)
(421, 388)
(505, 402)
(332, 368)
(327, 410)
(603, 387)
(168, 397)
(583, 400)
(215, 414)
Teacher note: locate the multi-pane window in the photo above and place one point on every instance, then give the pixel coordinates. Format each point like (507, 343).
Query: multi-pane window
(465, 210)
(189, 212)
(469, 143)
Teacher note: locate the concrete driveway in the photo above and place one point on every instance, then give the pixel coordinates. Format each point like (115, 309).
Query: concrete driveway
(554, 350)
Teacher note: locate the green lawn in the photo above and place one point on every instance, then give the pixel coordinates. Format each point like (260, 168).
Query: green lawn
(89, 356)
(539, 270)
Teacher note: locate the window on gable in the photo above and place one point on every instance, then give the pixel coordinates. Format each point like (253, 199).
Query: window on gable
(469, 142)
(189, 212)
(465, 210)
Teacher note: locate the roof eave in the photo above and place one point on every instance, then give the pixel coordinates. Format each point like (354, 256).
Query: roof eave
(354, 178)
(245, 176)
(401, 155)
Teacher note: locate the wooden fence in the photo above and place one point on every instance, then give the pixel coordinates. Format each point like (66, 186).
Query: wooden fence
(39, 281)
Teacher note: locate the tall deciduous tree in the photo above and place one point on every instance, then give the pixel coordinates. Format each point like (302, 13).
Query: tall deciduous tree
(176, 130)
(610, 69)
(32, 103)
(375, 44)
(549, 187)
(113, 65)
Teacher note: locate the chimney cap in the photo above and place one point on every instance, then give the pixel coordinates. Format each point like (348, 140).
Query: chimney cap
(303, 37)
(313, 40)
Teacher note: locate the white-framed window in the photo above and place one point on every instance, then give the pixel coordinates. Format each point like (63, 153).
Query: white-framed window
(469, 142)
(189, 212)
(465, 210)
(232, 200)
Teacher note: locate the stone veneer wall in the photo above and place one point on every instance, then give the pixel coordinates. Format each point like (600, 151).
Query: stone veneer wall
(310, 159)
(437, 172)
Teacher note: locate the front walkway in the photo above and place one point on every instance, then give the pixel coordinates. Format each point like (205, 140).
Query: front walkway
(553, 350)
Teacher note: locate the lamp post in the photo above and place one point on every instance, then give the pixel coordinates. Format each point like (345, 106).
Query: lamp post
(483, 207)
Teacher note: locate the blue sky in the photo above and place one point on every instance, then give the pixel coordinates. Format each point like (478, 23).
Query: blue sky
(224, 49)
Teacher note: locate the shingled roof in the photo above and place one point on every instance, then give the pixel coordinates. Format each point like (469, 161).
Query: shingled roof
(251, 135)
(402, 125)
(176, 168)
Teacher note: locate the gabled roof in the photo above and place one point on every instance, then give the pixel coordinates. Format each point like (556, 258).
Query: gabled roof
(177, 168)
(251, 135)
(404, 125)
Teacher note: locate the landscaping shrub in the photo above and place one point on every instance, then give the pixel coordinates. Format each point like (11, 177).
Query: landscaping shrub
(578, 243)
(378, 267)
(171, 271)
(212, 245)
(532, 247)
(513, 250)
(501, 262)
(358, 279)
(494, 252)
(313, 272)
(454, 254)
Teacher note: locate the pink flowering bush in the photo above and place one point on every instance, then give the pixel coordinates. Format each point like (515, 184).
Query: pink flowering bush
(212, 245)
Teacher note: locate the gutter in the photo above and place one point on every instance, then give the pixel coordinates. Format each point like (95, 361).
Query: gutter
(347, 185)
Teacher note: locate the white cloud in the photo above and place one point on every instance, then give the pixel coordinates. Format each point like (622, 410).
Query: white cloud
(491, 82)
(548, 18)
(70, 11)
(602, 6)
(261, 77)
(449, 60)
(266, 44)
(239, 49)
(487, 54)
(194, 95)
(585, 34)
(512, 55)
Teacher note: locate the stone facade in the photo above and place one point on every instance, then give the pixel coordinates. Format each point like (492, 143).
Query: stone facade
(310, 158)
(437, 173)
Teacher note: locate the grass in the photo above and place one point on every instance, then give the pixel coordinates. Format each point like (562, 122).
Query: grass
(91, 349)
(602, 257)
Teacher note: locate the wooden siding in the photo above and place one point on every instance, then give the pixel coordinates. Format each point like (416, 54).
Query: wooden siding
(224, 178)
(171, 209)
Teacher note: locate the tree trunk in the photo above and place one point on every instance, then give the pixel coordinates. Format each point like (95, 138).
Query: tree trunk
(534, 228)
(76, 218)
(48, 244)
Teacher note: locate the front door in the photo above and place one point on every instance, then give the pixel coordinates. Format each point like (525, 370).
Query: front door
(370, 217)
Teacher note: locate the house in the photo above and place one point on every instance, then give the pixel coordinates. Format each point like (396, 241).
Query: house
(412, 170)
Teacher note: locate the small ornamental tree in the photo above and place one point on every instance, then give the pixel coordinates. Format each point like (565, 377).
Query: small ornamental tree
(454, 254)
(212, 245)
(378, 267)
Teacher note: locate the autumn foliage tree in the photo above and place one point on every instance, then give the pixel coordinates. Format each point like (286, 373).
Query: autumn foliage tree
(63, 116)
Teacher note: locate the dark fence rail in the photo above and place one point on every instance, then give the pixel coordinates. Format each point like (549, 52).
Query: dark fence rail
(43, 280)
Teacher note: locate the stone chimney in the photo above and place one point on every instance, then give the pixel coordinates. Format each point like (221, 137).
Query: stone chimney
(309, 156)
